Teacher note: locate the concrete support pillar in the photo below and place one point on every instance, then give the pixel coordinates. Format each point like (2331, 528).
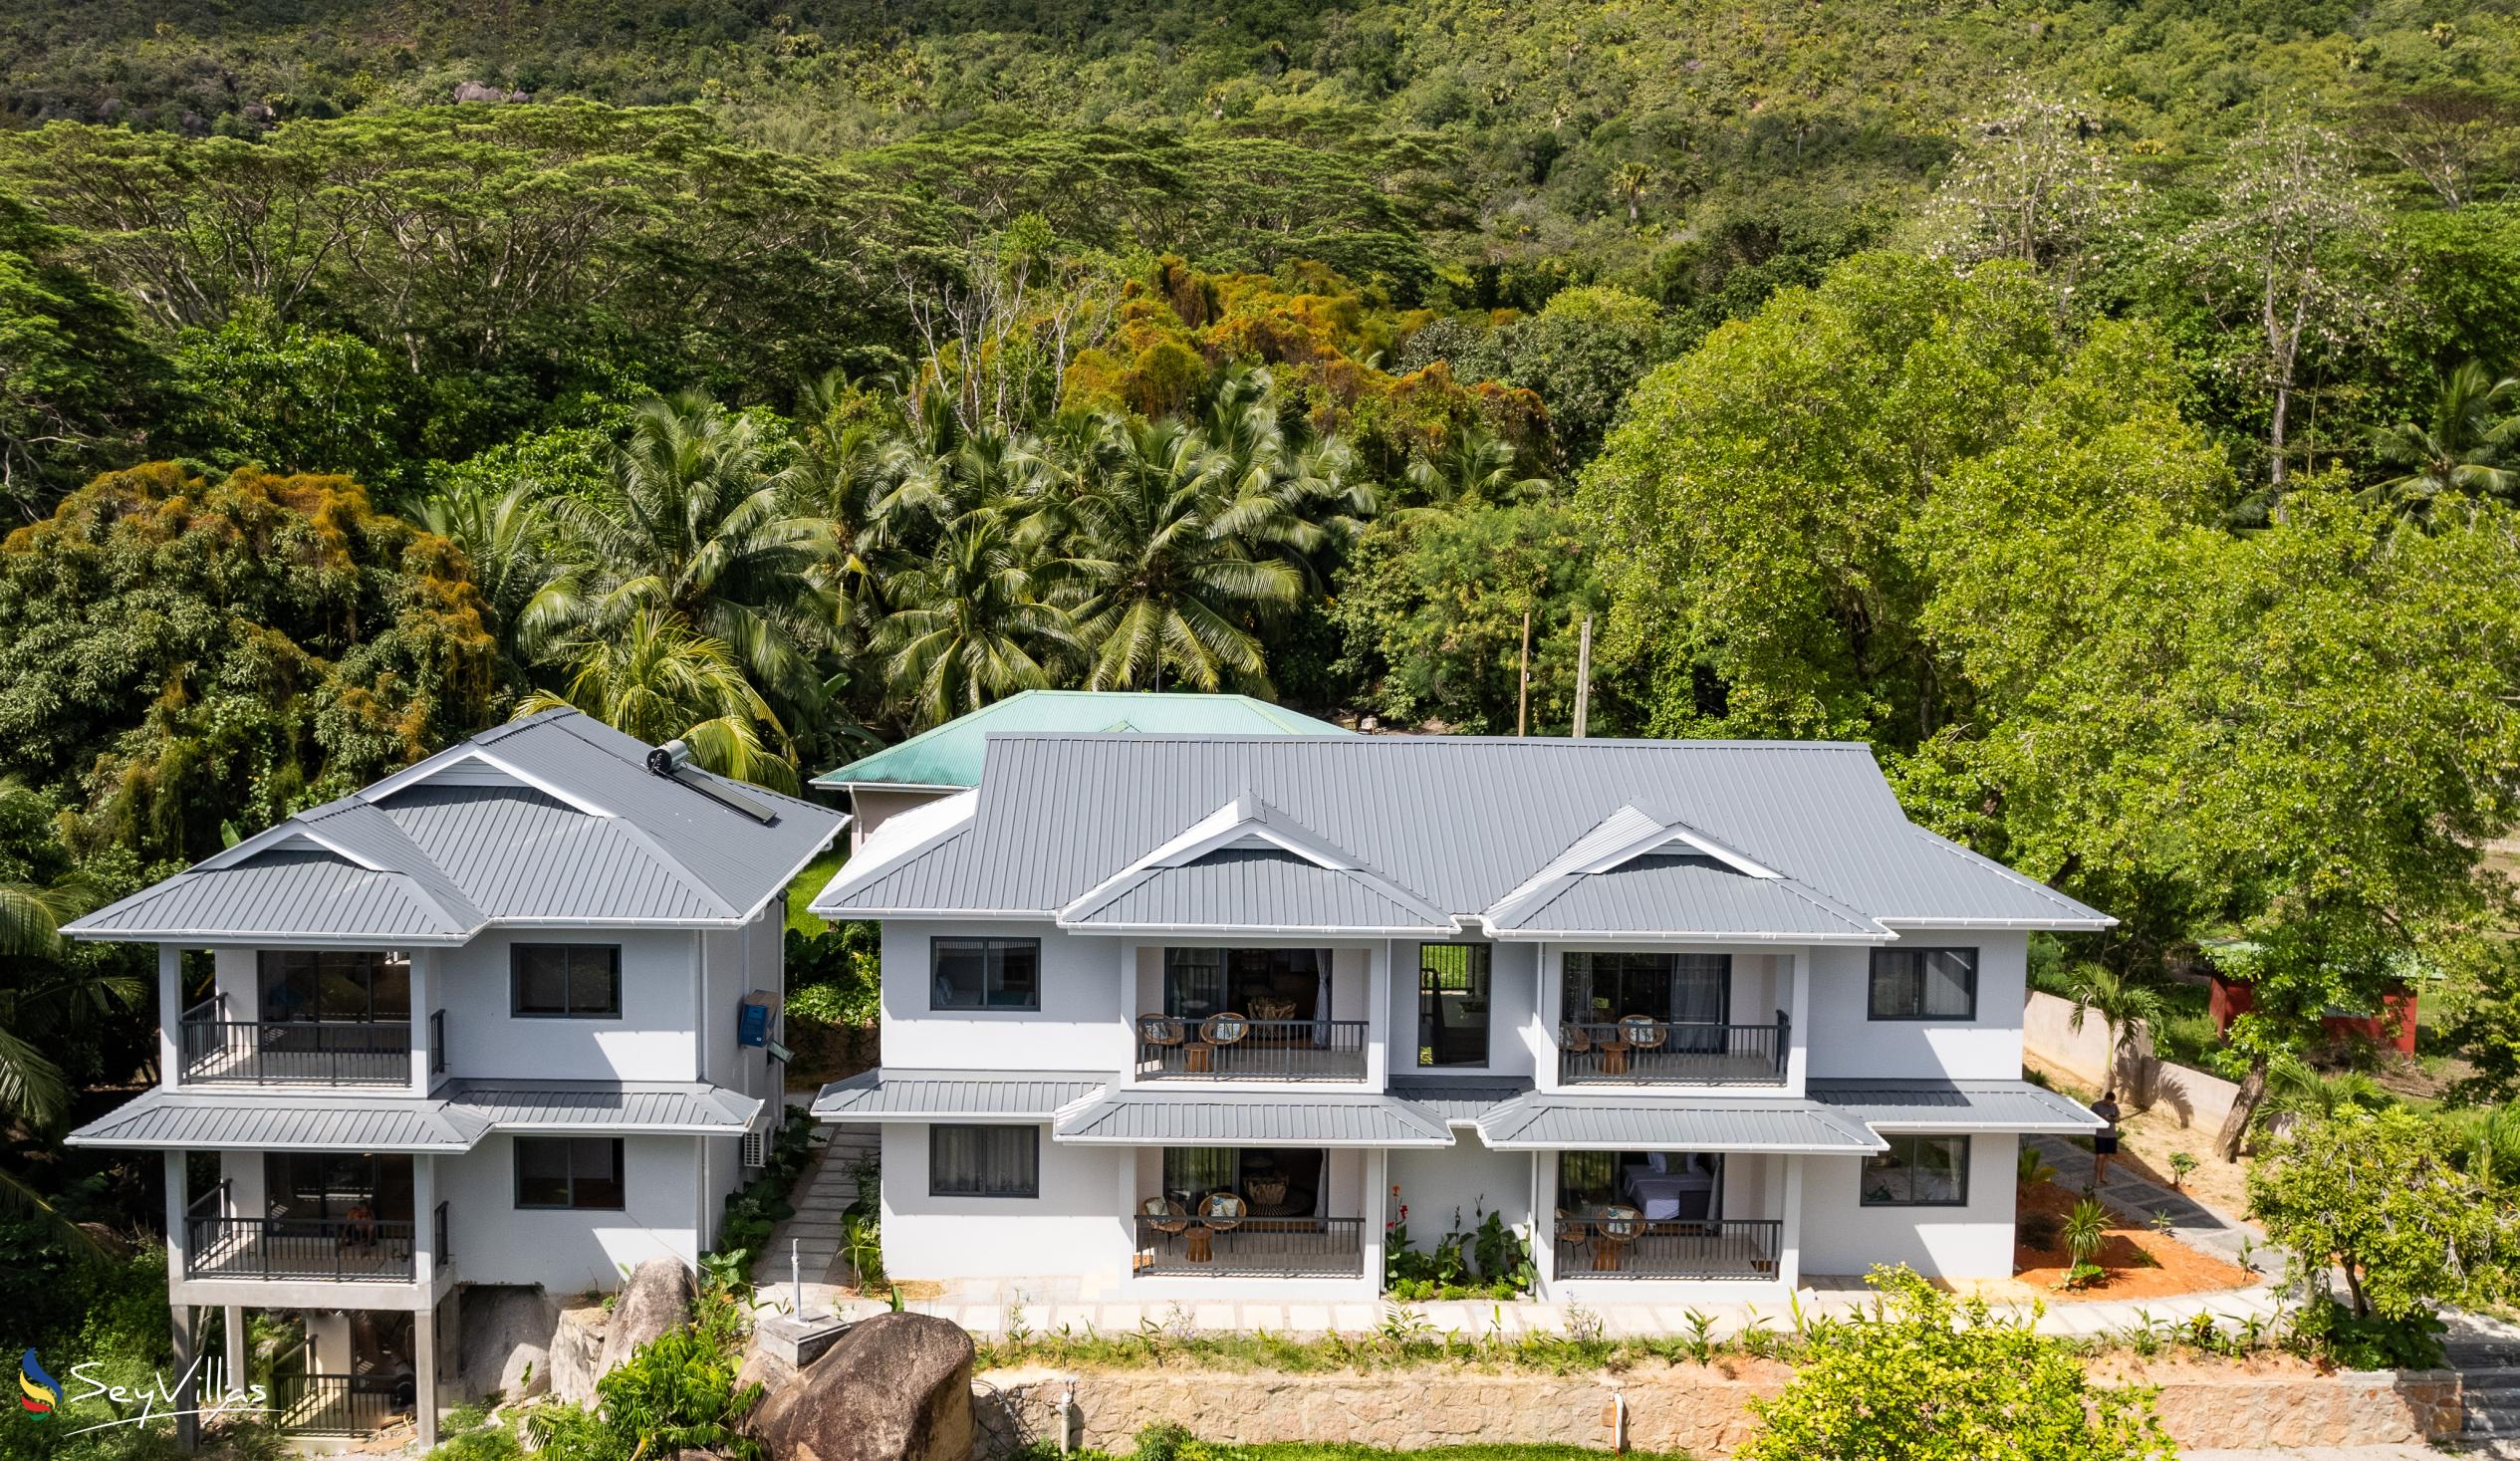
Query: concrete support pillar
(1789, 1256)
(176, 1200)
(1798, 1053)
(188, 1424)
(424, 1374)
(423, 1034)
(236, 1369)
(169, 1014)
(424, 1255)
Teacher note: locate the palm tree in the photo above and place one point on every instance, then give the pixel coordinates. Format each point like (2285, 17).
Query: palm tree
(2132, 1008)
(41, 1009)
(2295, 1090)
(2458, 450)
(655, 678)
(506, 536)
(1172, 560)
(1474, 467)
(969, 625)
(700, 528)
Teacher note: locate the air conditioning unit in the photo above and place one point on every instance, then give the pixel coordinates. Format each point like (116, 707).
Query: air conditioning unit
(757, 1147)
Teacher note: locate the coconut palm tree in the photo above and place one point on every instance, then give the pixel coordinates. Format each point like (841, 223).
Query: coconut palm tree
(506, 536)
(1474, 467)
(2131, 1007)
(39, 1008)
(2458, 452)
(1171, 562)
(969, 625)
(699, 527)
(653, 676)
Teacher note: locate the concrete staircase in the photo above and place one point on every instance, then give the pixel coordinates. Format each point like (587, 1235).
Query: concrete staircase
(821, 1195)
(2489, 1386)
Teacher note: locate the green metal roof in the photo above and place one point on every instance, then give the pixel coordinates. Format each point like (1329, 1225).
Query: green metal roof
(949, 755)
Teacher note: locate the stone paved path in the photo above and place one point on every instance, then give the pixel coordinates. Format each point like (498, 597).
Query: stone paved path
(823, 1193)
(2195, 1224)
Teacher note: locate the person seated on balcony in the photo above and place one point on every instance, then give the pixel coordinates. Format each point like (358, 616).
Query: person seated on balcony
(359, 1226)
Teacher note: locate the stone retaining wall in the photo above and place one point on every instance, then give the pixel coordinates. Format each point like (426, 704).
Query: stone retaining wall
(1700, 1410)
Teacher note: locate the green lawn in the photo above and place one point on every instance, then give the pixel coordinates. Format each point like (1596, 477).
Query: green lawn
(809, 882)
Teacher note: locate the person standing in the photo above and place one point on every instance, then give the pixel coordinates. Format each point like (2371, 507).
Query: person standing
(2104, 1140)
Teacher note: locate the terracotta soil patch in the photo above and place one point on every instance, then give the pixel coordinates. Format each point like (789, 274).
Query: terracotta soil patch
(2148, 1137)
(2142, 1264)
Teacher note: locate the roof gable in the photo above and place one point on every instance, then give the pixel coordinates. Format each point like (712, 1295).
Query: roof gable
(1466, 823)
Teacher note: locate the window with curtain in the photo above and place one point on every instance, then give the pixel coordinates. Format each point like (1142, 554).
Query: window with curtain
(1923, 984)
(580, 1172)
(564, 981)
(985, 974)
(1453, 1003)
(1683, 988)
(339, 985)
(1918, 1171)
(983, 1161)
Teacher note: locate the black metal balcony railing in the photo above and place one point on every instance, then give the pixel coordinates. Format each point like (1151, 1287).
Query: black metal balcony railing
(1230, 1048)
(1673, 1051)
(1255, 1247)
(1711, 1248)
(297, 1052)
(340, 1404)
(344, 1250)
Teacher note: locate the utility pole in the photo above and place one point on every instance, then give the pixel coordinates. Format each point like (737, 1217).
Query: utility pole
(1583, 677)
(1522, 700)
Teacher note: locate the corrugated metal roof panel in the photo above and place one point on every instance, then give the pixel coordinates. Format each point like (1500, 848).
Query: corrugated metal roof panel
(1239, 887)
(270, 1121)
(952, 753)
(599, 1105)
(1460, 1101)
(1948, 1106)
(917, 1095)
(462, 851)
(1462, 819)
(1689, 895)
(1146, 1118)
(1577, 1123)
(294, 890)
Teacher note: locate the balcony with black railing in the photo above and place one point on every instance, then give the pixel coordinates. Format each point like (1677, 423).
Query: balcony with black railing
(220, 1051)
(1250, 1247)
(1236, 1048)
(336, 1250)
(1641, 1050)
(1626, 1246)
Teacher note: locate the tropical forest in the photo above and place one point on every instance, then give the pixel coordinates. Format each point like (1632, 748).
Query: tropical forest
(2107, 409)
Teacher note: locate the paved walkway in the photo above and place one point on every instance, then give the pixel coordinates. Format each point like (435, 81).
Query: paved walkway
(822, 1194)
(2194, 1224)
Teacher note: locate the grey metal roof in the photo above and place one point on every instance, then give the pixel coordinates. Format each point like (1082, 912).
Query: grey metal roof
(893, 1094)
(1643, 1124)
(1462, 820)
(1251, 887)
(1685, 895)
(1167, 1119)
(1948, 1106)
(1459, 1100)
(284, 1121)
(551, 819)
(592, 1105)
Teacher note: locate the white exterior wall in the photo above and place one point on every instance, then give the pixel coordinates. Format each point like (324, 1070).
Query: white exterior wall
(573, 1252)
(1845, 1041)
(1466, 1178)
(654, 1039)
(738, 962)
(1079, 1226)
(1079, 1026)
(1842, 1236)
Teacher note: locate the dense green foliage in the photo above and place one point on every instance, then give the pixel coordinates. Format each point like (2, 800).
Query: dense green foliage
(1923, 1376)
(2098, 408)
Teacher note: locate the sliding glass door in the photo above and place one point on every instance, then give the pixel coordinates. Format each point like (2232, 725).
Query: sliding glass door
(1687, 989)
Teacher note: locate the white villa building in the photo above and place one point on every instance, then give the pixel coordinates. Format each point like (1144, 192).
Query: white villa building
(1199, 1015)
(503, 1017)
